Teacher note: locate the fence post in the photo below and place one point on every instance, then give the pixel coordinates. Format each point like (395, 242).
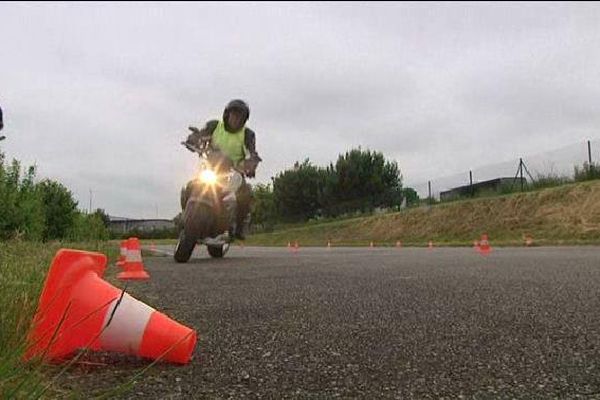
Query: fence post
(471, 182)
(429, 185)
(521, 171)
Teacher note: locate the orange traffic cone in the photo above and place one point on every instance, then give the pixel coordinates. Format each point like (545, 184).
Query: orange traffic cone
(296, 246)
(398, 243)
(134, 269)
(430, 245)
(476, 244)
(528, 241)
(79, 309)
(152, 247)
(484, 245)
(371, 245)
(123, 253)
(329, 244)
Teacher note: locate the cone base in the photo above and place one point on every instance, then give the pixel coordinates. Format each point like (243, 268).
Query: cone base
(168, 340)
(133, 275)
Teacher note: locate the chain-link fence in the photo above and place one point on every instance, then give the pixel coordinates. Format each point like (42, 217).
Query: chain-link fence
(539, 170)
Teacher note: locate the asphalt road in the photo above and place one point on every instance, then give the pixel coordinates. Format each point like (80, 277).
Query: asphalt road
(366, 323)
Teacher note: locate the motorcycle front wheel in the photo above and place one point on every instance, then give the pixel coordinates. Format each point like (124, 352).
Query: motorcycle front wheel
(197, 223)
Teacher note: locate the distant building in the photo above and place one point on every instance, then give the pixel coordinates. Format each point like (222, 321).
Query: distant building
(124, 225)
(469, 190)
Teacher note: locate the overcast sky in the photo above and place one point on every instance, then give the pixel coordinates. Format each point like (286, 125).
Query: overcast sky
(99, 96)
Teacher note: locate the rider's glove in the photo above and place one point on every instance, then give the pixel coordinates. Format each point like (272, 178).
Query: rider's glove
(196, 137)
(251, 164)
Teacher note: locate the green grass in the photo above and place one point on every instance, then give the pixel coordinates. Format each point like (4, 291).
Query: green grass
(23, 267)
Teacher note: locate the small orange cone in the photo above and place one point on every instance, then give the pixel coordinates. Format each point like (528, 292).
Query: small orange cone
(371, 245)
(476, 244)
(528, 241)
(78, 309)
(484, 245)
(329, 244)
(152, 247)
(295, 248)
(430, 245)
(398, 243)
(133, 268)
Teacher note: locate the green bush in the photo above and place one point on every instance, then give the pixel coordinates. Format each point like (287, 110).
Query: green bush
(21, 207)
(41, 211)
(549, 180)
(87, 228)
(587, 172)
(60, 209)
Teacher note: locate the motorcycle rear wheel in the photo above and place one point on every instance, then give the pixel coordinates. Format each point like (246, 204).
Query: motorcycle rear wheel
(215, 251)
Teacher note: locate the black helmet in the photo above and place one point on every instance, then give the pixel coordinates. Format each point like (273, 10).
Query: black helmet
(236, 105)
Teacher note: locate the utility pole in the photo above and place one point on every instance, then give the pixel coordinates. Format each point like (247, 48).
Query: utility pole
(90, 212)
(590, 152)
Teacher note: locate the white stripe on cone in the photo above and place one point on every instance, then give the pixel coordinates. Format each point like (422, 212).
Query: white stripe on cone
(126, 329)
(134, 255)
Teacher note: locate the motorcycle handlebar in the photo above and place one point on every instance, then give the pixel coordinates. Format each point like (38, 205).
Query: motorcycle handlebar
(190, 147)
(200, 151)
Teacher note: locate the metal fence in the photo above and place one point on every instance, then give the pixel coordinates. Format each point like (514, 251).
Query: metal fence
(521, 171)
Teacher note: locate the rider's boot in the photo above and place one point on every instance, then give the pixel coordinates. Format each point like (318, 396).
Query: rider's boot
(242, 223)
(231, 209)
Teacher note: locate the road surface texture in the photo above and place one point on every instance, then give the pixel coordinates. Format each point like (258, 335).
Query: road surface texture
(364, 323)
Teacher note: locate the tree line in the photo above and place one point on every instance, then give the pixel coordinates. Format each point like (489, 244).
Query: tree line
(359, 181)
(44, 210)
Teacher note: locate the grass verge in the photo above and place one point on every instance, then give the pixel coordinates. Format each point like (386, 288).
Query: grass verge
(23, 267)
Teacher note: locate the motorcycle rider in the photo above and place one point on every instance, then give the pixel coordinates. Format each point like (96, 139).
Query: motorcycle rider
(231, 136)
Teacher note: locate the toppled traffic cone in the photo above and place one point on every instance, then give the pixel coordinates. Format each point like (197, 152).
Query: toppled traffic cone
(484, 245)
(133, 268)
(78, 309)
(122, 253)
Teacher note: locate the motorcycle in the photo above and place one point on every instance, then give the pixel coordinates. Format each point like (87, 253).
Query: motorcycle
(204, 202)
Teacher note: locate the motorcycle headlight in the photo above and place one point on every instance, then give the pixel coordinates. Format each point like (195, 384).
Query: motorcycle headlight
(208, 176)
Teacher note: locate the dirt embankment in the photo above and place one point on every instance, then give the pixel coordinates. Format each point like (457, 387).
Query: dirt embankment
(568, 214)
